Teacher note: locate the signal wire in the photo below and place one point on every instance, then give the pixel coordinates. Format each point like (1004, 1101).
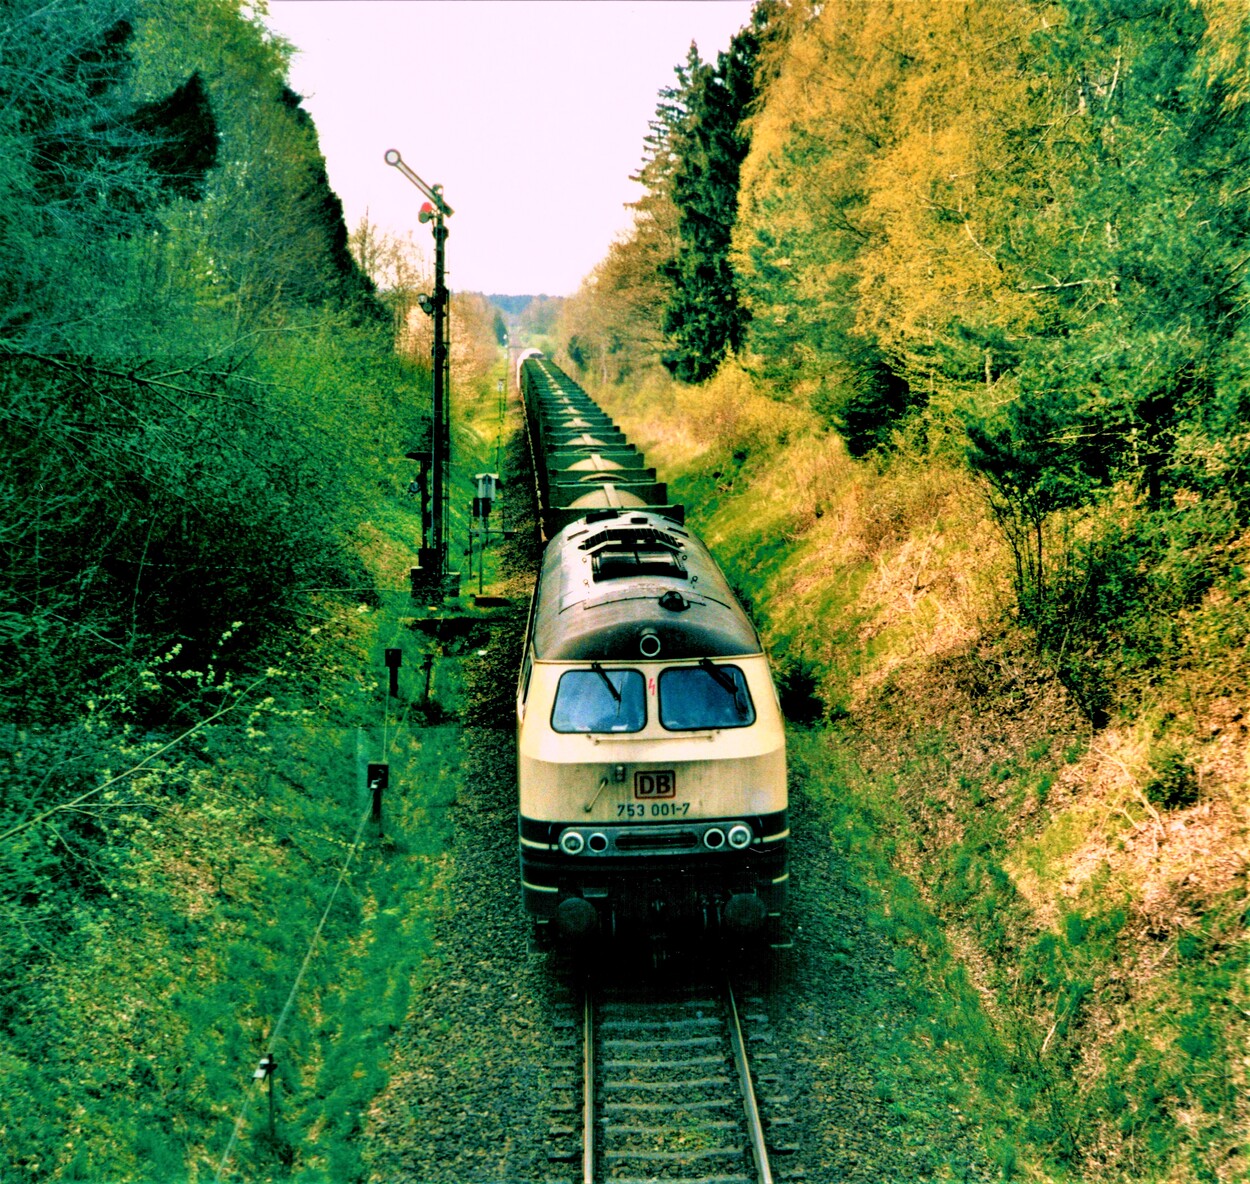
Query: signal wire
(244, 1110)
(241, 1120)
(136, 768)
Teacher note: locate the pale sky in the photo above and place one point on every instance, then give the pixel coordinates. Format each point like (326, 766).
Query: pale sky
(530, 113)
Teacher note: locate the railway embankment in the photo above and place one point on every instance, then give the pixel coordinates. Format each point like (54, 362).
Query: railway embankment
(256, 908)
(1031, 915)
(244, 907)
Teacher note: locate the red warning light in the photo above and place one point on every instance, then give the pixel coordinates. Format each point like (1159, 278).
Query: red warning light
(427, 211)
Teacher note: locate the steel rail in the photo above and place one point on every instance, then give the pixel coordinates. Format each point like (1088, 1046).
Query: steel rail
(750, 1105)
(755, 1125)
(588, 1086)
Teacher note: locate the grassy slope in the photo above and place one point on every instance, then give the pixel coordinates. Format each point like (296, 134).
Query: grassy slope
(156, 1020)
(1006, 845)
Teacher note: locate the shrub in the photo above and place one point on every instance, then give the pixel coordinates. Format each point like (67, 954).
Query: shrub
(798, 682)
(1174, 784)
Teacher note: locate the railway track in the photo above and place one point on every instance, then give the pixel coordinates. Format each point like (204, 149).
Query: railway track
(680, 1088)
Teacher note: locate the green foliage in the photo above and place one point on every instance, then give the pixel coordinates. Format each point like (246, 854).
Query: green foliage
(1174, 784)
(870, 411)
(1054, 988)
(160, 511)
(1044, 227)
(1108, 604)
(798, 684)
(1131, 385)
(130, 1053)
(86, 163)
(538, 316)
(162, 475)
(1031, 469)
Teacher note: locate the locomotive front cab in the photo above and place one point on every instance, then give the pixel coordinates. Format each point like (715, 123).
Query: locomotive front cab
(652, 793)
(650, 748)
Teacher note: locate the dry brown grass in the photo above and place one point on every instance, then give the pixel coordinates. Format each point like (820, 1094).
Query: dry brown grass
(733, 414)
(677, 424)
(929, 577)
(1170, 865)
(940, 572)
(653, 418)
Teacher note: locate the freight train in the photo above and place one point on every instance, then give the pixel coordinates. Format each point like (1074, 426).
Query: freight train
(651, 752)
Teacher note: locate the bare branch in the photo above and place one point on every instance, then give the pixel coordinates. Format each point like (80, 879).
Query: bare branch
(1054, 287)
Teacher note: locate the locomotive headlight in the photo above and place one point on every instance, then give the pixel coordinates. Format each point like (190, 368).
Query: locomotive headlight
(571, 843)
(713, 838)
(739, 836)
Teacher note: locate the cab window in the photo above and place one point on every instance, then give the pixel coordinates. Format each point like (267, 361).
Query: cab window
(599, 700)
(704, 696)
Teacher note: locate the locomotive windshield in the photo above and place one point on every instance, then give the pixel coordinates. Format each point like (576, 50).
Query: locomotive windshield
(599, 700)
(704, 696)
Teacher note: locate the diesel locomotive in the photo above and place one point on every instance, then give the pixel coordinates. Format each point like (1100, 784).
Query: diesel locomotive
(651, 751)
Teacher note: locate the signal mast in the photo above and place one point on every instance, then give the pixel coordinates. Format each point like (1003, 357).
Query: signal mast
(432, 576)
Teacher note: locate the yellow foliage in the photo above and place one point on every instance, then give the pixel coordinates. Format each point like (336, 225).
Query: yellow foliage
(1227, 49)
(473, 347)
(878, 192)
(613, 325)
(730, 413)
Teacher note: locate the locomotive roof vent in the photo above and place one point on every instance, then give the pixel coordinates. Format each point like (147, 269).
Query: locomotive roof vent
(614, 565)
(632, 538)
(629, 551)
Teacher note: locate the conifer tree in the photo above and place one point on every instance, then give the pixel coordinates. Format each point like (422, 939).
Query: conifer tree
(708, 141)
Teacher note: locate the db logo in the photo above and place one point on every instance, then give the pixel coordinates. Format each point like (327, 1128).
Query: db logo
(655, 785)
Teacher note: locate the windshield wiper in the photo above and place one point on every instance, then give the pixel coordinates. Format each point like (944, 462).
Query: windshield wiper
(603, 674)
(727, 683)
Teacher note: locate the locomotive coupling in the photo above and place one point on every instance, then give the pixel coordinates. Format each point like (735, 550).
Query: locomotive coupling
(576, 917)
(745, 912)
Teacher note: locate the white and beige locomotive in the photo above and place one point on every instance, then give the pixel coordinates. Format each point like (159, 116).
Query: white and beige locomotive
(651, 752)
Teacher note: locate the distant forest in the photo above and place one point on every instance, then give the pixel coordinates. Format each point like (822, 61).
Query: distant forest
(513, 305)
(530, 316)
